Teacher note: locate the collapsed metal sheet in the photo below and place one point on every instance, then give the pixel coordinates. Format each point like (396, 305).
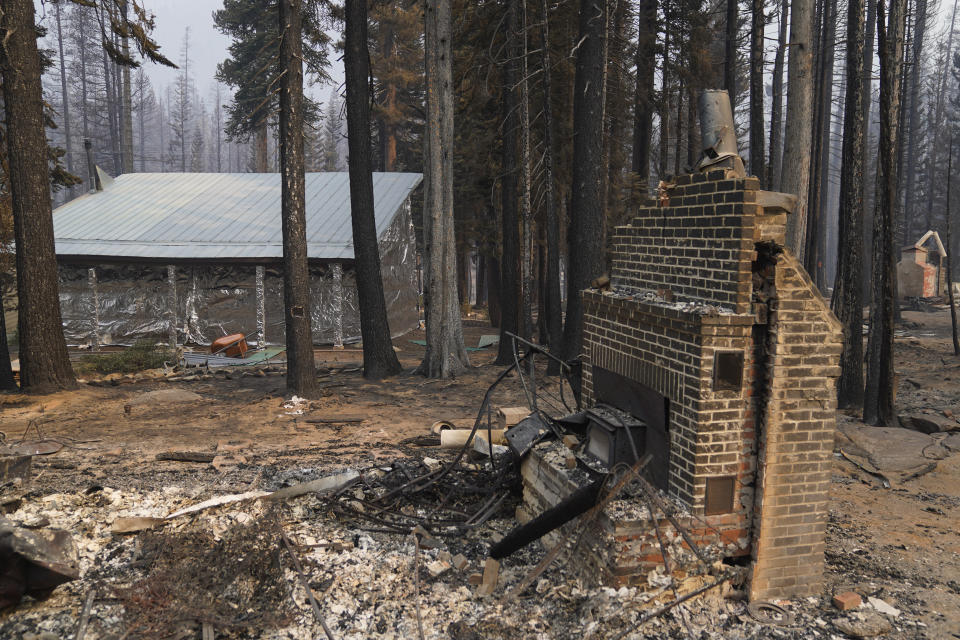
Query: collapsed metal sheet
(133, 301)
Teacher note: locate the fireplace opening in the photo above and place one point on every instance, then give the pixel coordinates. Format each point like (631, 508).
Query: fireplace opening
(636, 407)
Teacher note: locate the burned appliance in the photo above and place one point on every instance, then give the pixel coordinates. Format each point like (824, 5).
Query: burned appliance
(614, 436)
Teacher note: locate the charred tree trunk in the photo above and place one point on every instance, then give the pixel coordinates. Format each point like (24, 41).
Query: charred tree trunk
(797, 138)
(949, 239)
(261, 155)
(44, 362)
(913, 118)
(379, 358)
(493, 291)
(141, 122)
(820, 165)
(939, 110)
(553, 310)
(693, 144)
(127, 101)
(776, 111)
(878, 407)
(758, 165)
(113, 129)
(664, 97)
(463, 284)
(678, 147)
(585, 236)
(730, 52)
(509, 291)
(481, 280)
(65, 95)
(445, 355)
(847, 300)
(387, 129)
(301, 375)
(526, 208)
(643, 96)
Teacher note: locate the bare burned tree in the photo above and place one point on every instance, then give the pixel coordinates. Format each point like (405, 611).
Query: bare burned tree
(379, 358)
(509, 289)
(847, 301)
(644, 103)
(757, 161)
(526, 210)
(795, 176)
(301, 375)
(730, 51)
(776, 110)
(44, 362)
(554, 320)
(445, 356)
(586, 224)
(949, 233)
(878, 405)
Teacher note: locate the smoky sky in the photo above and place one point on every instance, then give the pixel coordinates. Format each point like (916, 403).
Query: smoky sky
(207, 46)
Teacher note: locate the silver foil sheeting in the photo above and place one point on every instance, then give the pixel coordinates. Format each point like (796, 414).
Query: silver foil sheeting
(206, 301)
(94, 309)
(261, 306)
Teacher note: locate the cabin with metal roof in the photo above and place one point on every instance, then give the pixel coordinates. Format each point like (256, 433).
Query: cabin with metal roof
(190, 257)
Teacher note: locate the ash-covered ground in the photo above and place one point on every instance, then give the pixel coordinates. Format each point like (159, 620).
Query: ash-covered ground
(228, 566)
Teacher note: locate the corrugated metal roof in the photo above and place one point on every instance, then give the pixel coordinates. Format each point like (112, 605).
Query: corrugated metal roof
(217, 215)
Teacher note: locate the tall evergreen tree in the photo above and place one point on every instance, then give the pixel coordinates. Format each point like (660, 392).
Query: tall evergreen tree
(301, 374)
(795, 177)
(776, 110)
(253, 68)
(847, 301)
(644, 102)
(586, 224)
(44, 362)
(181, 109)
(509, 285)
(445, 354)
(878, 404)
(396, 64)
(330, 140)
(758, 166)
(379, 358)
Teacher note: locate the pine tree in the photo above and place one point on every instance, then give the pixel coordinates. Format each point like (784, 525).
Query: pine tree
(795, 177)
(301, 372)
(330, 157)
(585, 234)
(847, 301)
(253, 68)
(445, 354)
(878, 405)
(181, 107)
(144, 108)
(396, 64)
(44, 362)
(379, 358)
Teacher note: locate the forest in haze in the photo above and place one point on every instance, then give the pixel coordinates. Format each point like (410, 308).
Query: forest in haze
(565, 117)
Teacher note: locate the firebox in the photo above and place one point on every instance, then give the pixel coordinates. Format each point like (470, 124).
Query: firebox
(715, 352)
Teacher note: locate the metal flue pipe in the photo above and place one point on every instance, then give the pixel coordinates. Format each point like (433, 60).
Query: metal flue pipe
(717, 129)
(92, 168)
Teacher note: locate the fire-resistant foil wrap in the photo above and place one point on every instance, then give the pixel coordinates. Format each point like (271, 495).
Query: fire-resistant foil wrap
(207, 301)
